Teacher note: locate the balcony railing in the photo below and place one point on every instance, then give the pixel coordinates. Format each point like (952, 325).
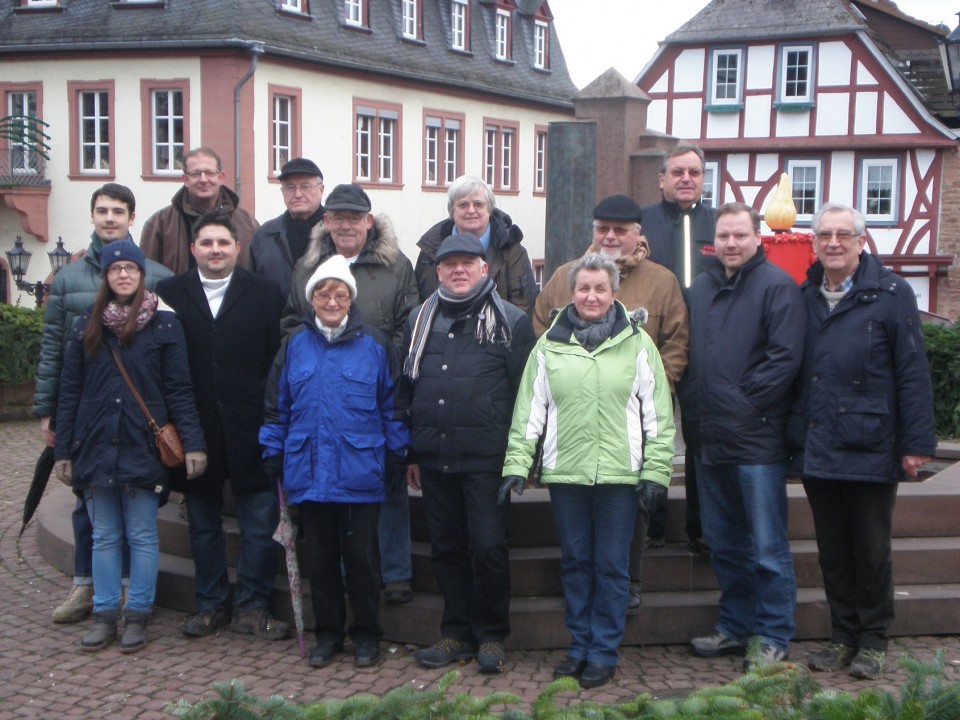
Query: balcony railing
(20, 170)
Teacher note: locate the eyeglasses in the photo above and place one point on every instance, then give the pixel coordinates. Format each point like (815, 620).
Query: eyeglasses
(291, 189)
(679, 172)
(465, 205)
(340, 297)
(130, 269)
(353, 219)
(842, 236)
(195, 174)
(617, 230)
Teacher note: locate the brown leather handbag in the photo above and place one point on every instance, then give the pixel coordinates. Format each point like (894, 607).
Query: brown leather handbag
(167, 437)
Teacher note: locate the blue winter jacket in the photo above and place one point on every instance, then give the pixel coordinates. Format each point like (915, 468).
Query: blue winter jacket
(329, 410)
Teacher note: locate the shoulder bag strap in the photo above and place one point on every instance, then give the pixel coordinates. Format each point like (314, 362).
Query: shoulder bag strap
(136, 396)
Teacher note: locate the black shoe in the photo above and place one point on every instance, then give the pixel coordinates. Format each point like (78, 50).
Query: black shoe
(446, 651)
(324, 652)
(366, 653)
(595, 675)
(699, 546)
(491, 658)
(652, 543)
(398, 593)
(205, 623)
(716, 645)
(571, 667)
(633, 601)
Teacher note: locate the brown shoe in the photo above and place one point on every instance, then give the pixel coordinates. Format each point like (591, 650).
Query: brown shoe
(205, 623)
(76, 607)
(259, 622)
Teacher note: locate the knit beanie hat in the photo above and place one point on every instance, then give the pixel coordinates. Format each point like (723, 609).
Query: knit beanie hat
(120, 250)
(336, 268)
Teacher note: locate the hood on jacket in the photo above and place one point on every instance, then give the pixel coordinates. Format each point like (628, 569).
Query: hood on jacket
(512, 235)
(381, 248)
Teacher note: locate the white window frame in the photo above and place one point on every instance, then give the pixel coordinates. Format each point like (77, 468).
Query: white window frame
(292, 5)
(353, 12)
(867, 167)
(174, 147)
(441, 150)
(806, 164)
(716, 66)
(540, 161)
(409, 19)
(386, 147)
(503, 35)
(377, 158)
(458, 24)
(101, 137)
(281, 132)
(541, 38)
(785, 69)
(711, 184)
(499, 146)
(23, 157)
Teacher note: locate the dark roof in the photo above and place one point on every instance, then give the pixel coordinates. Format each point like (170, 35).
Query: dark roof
(321, 38)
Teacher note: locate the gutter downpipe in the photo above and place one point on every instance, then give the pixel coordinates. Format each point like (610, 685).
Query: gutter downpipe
(256, 49)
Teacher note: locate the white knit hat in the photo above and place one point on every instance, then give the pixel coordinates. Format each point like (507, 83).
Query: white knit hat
(336, 268)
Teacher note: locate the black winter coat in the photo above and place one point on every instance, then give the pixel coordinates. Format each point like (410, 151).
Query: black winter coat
(865, 393)
(461, 404)
(271, 255)
(746, 346)
(230, 357)
(100, 427)
(663, 228)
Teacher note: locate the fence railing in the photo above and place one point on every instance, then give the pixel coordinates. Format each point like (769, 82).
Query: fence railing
(22, 169)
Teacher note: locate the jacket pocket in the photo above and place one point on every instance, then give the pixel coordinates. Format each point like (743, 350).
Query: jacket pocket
(297, 463)
(860, 422)
(361, 462)
(360, 387)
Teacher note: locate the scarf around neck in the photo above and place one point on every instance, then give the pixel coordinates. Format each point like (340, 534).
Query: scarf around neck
(115, 315)
(592, 333)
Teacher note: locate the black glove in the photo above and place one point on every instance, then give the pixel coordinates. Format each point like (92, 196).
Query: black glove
(514, 482)
(273, 466)
(653, 496)
(395, 473)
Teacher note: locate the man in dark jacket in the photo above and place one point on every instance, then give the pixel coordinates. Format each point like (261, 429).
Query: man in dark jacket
(112, 212)
(679, 230)
(166, 233)
(864, 420)
(473, 210)
(746, 343)
(386, 290)
(280, 242)
(231, 320)
(465, 355)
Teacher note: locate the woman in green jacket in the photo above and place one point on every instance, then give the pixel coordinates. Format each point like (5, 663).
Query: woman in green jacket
(595, 390)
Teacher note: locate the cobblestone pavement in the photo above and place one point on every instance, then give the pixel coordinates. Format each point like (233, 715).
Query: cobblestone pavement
(42, 674)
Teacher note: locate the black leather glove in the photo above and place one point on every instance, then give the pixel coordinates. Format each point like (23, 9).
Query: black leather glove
(511, 482)
(273, 466)
(653, 495)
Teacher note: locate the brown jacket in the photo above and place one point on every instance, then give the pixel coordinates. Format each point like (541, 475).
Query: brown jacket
(643, 284)
(166, 234)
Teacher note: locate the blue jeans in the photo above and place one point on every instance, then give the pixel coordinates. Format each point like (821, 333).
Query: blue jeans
(83, 546)
(257, 517)
(394, 531)
(118, 513)
(595, 526)
(745, 524)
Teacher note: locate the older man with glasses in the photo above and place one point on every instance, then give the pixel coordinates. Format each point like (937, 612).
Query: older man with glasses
(166, 235)
(280, 242)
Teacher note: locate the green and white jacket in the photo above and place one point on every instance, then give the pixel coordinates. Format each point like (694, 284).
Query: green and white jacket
(606, 417)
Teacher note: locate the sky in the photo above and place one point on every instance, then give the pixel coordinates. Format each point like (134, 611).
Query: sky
(592, 41)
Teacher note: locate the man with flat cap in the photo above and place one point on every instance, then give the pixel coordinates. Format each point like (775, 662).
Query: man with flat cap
(465, 353)
(280, 242)
(648, 289)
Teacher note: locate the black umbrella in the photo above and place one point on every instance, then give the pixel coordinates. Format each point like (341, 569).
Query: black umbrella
(41, 474)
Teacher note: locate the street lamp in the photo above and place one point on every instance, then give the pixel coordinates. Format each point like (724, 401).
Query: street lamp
(19, 261)
(950, 56)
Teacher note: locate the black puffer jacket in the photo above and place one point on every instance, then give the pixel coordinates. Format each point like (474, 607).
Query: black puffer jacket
(866, 397)
(507, 261)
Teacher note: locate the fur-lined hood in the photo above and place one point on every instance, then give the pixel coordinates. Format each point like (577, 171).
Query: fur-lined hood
(381, 248)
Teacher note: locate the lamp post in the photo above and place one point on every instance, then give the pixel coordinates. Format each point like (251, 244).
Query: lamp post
(950, 56)
(19, 260)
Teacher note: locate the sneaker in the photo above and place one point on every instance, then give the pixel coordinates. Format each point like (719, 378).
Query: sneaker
(205, 623)
(763, 654)
(398, 593)
(831, 657)
(491, 658)
(445, 652)
(652, 543)
(259, 622)
(76, 607)
(634, 600)
(716, 645)
(868, 664)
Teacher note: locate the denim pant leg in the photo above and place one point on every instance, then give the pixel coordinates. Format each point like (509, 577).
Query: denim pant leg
(764, 490)
(140, 518)
(106, 518)
(395, 561)
(82, 544)
(211, 585)
(257, 516)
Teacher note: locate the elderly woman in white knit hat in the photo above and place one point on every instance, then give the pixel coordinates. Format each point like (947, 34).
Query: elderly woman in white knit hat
(329, 421)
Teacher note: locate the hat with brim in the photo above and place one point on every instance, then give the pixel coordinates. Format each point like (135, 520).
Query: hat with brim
(461, 244)
(618, 207)
(348, 197)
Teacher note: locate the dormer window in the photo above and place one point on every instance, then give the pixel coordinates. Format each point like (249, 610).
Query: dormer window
(411, 26)
(40, 4)
(503, 35)
(460, 25)
(297, 6)
(541, 45)
(355, 12)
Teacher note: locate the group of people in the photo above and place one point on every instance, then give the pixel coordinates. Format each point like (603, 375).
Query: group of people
(309, 354)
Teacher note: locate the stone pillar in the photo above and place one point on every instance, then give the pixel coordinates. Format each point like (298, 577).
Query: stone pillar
(571, 177)
(947, 288)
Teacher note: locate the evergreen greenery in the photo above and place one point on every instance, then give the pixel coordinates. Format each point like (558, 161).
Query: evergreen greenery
(20, 332)
(785, 691)
(943, 352)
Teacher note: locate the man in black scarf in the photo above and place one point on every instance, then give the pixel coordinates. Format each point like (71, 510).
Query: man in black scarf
(466, 349)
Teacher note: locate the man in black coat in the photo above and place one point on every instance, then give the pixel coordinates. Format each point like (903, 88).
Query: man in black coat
(231, 319)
